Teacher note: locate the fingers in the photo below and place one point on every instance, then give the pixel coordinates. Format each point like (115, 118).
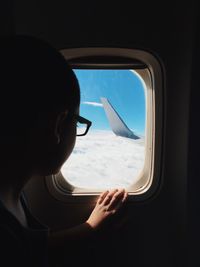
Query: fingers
(109, 197)
(102, 196)
(117, 200)
(113, 198)
(125, 197)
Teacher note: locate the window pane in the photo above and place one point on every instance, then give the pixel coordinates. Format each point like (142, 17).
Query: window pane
(113, 151)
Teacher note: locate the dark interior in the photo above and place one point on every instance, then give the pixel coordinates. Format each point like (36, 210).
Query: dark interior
(164, 230)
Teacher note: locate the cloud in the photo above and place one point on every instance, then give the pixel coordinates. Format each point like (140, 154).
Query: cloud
(102, 160)
(95, 104)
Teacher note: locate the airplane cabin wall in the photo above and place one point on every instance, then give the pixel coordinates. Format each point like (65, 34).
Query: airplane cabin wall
(156, 231)
(193, 162)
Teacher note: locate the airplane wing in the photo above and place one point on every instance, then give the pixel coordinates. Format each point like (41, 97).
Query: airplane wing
(116, 123)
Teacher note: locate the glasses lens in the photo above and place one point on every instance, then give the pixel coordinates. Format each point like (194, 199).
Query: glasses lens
(81, 128)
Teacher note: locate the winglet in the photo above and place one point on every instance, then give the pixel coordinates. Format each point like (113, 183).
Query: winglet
(116, 123)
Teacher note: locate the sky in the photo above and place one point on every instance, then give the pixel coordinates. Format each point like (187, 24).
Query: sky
(124, 90)
(101, 159)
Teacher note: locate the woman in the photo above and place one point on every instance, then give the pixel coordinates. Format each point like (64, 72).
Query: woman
(39, 110)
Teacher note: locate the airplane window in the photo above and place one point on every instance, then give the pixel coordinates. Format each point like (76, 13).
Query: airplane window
(122, 94)
(112, 154)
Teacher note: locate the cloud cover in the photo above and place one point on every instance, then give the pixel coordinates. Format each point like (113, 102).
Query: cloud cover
(95, 104)
(102, 160)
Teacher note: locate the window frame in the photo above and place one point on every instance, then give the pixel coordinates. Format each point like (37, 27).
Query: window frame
(122, 58)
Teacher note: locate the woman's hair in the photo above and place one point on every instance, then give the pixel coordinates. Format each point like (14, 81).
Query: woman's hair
(35, 79)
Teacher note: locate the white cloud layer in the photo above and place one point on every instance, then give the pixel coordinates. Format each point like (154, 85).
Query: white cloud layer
(95, 104)
(102, 160)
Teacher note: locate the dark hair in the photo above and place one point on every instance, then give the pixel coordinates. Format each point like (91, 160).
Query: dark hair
(34, 79)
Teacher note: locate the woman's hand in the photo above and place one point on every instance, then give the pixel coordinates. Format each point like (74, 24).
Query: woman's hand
(107, 204)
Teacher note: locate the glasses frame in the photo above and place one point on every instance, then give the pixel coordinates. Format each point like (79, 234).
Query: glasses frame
(83, 121)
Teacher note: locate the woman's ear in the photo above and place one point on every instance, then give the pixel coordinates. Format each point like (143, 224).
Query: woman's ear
(59, 125)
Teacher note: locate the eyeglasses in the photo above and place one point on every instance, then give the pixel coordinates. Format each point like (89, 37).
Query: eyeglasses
(83, 125)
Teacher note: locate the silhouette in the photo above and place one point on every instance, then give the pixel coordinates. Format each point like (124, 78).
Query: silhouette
(39, 110)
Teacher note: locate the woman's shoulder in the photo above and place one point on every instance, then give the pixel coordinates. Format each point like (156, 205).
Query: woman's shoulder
(19, 244)
(33, 222)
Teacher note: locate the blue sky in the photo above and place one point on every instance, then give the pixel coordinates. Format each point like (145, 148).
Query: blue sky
(124, 90)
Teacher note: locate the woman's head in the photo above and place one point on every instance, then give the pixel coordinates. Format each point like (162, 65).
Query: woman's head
(39, 95)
